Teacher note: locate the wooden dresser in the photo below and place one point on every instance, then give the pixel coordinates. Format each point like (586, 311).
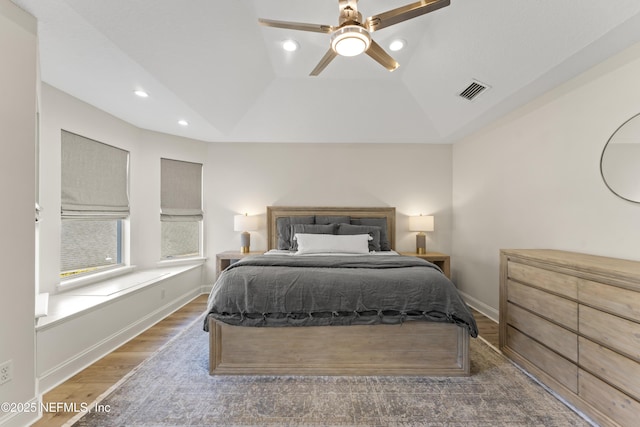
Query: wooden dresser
(573, 321)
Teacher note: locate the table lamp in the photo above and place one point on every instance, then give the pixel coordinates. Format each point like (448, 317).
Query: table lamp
(421, 224)
(245, 223)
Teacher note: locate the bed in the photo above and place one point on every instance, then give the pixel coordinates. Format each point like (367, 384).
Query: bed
(282, 314)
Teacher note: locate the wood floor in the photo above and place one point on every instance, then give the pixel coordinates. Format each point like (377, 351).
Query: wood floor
(90, 383)
(488, 328)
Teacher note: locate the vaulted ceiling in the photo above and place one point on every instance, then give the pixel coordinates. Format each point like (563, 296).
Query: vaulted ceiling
(210, 63)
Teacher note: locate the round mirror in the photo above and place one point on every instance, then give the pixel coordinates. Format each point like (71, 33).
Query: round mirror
(620, 161)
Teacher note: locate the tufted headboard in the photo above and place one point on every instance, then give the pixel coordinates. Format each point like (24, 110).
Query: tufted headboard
(275, 212)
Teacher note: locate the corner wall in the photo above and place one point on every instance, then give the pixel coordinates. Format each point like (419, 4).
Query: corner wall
(532, 180)
(18, 82)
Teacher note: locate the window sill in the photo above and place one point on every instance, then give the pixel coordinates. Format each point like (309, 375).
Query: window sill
(89, 279)
(181, 261)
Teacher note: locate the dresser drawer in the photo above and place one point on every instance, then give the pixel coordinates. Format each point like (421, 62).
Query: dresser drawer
(608, 400)
(610, 298)
(558, 309)
(551, 335)
(555, 282)
(618, 370)
(563, 371)
(612, 331)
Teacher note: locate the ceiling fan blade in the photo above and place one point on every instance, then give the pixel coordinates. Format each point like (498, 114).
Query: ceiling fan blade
(403, 13)
(326, 59)
(316, 28)
(383, 58)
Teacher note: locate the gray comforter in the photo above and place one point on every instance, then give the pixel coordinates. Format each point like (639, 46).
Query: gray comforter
(281, 290)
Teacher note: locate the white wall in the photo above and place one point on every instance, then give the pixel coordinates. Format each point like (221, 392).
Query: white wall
(62, 111)
(239, 178)
(18, 80)
(533, 180)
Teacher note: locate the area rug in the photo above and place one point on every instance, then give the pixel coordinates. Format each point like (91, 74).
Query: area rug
(174, 388)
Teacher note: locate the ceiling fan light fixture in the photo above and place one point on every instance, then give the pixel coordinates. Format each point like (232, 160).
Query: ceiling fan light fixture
(350, 40)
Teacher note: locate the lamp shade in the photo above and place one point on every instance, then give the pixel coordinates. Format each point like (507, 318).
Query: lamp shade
(421, 223)
(245, 223)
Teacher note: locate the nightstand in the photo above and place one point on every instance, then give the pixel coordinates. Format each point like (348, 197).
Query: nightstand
(225, 259)
(441, 260)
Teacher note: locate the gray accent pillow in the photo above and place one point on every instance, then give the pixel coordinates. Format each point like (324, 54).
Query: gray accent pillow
(310, 229)
(385, 244)
(283, 227)
(332, 219)
(371, 230)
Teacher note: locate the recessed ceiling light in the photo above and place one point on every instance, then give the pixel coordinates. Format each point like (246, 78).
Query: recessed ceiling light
(183, 123)
(290, 45)
(397, 45)
(141, 93)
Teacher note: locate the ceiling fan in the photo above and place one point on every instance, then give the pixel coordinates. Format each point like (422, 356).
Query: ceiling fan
(352, 36)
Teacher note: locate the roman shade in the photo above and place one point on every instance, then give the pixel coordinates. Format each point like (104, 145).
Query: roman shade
(181, 190)
(94, 178)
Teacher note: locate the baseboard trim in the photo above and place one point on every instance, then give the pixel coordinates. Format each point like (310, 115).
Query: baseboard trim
(206, 289)
(59, 374)
(483, 308)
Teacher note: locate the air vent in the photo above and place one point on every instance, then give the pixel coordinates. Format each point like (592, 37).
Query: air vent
(473, 90)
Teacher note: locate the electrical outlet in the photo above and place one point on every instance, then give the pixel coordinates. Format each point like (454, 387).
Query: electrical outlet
(6, 372)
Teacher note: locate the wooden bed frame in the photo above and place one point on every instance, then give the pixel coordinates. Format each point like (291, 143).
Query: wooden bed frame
(412, 348)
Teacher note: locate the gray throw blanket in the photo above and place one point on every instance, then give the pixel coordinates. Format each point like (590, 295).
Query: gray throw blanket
(281, 290)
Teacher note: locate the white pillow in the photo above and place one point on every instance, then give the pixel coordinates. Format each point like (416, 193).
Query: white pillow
(332, 243)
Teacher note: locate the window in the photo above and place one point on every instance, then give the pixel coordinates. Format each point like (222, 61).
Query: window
(181, 209)
(95, 204)
(90, 245)
(180, 239)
